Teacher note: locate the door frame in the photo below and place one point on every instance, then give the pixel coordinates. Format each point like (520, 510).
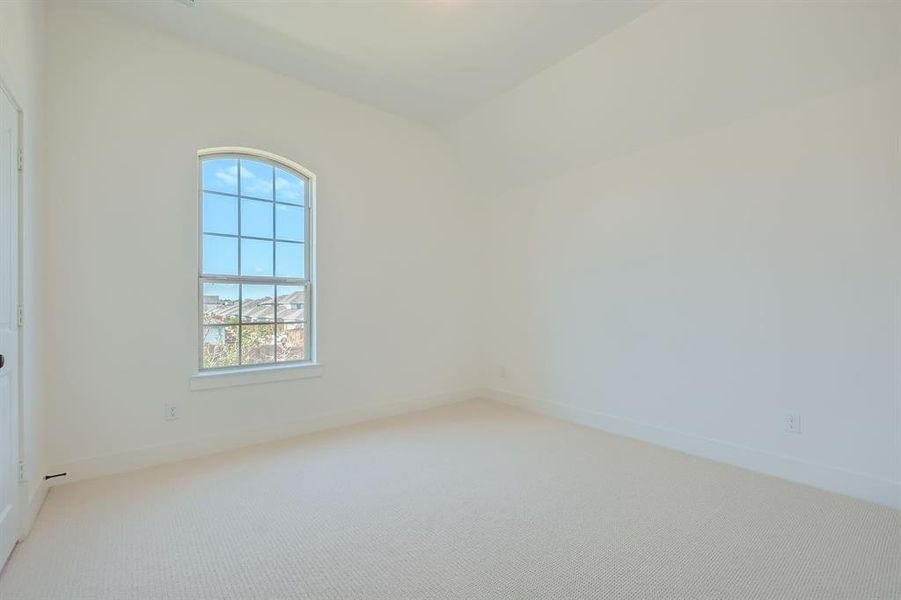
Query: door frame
(21, 495)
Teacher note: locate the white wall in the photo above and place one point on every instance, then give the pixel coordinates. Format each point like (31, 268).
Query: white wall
(129, 108)
(21, 70)
(694, 228)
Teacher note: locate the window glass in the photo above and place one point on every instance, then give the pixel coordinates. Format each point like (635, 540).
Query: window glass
(254, 270)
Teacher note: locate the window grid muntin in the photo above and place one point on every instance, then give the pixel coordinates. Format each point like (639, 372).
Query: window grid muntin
(227, 195)
(306, 203)
(253, 237)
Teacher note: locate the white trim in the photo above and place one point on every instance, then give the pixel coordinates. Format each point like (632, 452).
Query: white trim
(242, 150)
(863, 486)
(32, 508)
(138, 458)
(209, 380)
(16, 275)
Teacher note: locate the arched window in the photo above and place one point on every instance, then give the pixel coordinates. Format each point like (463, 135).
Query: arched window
(257, 268)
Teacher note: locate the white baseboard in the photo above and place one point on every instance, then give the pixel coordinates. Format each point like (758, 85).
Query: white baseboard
(121, 462)
(32, 508)
(858, 485)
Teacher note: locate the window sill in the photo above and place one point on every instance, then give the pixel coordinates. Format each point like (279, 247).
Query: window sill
(233, 377)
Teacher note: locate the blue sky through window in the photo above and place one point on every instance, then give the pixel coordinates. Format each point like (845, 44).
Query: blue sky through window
(289, 260)
(256, 180)
(256, 258)
(289, 222)
(220, 214)
(289, 188)
(221, 175)
(225, 291)
(220, 255)
(271, 207)
(256, 218)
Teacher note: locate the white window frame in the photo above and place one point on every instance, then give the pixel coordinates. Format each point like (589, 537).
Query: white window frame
(206, 378)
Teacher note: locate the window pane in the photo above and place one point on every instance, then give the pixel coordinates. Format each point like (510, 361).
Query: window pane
(257, 303)
(256, 179)
(256, 218)
(220, 303)
(220, 346)
(220, 214)
(220, 175)
(220, 255)
(289, 260)
(257, 344)
(289, 187)
(290, 222)
(291, 303)
(290, 339)
(256, 257)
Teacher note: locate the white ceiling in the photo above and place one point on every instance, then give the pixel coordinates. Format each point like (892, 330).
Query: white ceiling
(430, 60)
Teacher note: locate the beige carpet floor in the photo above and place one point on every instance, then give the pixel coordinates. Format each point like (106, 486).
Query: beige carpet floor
(474, 500)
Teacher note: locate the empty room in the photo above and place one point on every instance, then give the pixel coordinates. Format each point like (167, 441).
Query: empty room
(450, 299)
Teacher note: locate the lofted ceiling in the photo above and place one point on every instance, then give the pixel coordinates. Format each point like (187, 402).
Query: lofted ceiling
(430, 60)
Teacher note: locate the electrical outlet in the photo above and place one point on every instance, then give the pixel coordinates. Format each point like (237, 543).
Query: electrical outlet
(792, 422)
(502, 372)
(171, 412)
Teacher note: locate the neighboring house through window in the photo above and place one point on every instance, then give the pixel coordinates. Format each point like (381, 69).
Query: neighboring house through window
(256, 260)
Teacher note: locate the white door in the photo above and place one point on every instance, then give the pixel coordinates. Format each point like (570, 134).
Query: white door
(9, 332)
